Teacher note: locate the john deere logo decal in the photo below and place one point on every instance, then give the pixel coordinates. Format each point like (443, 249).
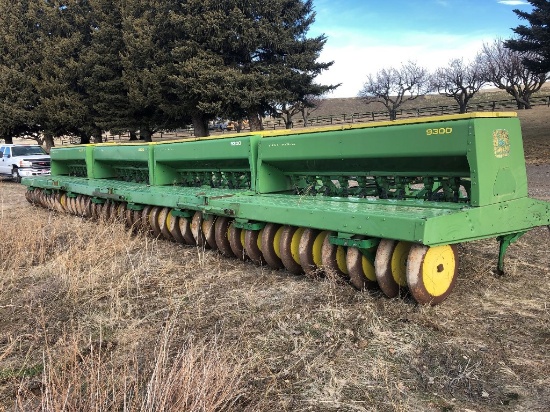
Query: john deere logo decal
(501, 143)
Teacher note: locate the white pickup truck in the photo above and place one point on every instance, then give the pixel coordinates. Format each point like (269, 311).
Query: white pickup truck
(17, 160)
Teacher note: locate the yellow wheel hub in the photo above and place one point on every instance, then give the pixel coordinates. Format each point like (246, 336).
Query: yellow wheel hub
(341, 260)
(438, 269)
(399, 263)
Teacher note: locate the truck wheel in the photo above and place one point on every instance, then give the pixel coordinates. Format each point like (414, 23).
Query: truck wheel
(15, 175)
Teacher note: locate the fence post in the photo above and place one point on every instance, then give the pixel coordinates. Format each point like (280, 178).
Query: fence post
(372, 114)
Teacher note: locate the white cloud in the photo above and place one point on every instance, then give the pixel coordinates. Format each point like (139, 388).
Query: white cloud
(513, 2)
(358, 57)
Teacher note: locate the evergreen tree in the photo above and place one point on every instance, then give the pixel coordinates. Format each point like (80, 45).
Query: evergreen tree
(534, 40)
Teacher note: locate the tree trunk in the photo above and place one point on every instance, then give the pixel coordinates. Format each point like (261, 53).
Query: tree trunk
(255, 121)
(200, 125)
(84, 138)
(305, 116)
(97, 134)
(288, 121)
(48, 140)
(7, 139)
(133, 135)
(145, 134)
(393, 114)
(462, 107)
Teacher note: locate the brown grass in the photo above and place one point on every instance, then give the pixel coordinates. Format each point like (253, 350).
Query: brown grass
(95, 318)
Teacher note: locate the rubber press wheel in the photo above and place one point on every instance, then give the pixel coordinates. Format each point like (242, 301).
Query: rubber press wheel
(289, 248)
(163, 223)
(185, 229)
(154, 222)
(209, 233)
(236, 241)
(271, 239)
(311, 251)
(361, 270)
(221, 233)
(431, 272)
(197, 230)
(253, 246)
(173, 227)
(390, 266)
(334, 258)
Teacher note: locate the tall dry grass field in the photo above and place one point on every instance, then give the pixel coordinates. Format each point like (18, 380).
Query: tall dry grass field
(94, 318)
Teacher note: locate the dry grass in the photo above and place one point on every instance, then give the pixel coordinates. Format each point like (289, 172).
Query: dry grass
(94, 318)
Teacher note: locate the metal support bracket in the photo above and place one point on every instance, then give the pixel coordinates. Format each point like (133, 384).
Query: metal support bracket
(248, 225)
(358, 243)
(505, 241)
(182, 213)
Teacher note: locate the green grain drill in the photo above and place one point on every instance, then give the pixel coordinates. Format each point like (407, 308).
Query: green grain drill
(381, 204)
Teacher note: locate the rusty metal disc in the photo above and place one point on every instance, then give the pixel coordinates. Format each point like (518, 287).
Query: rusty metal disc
(334, 258)
(431, 272)
(289, 246)
(253, 246)
(271, 238)
(221, 233)
(360, 269)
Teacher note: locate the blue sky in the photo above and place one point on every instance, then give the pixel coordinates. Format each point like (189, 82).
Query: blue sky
(365, 36)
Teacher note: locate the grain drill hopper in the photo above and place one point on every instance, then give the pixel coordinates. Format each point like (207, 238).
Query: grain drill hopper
(380, 204)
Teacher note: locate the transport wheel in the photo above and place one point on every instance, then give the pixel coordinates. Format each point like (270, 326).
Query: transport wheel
(311, 251)
(253, 246)
(289, 246)
(154, 223)
(185, 229)
(390, 266)
(431, 272)
(221, 233)
(173, 227)
(209, 233)
(271, 238)
(334, 258)
(196, 229)
(236, 241)
(163, 223)
(361, 270)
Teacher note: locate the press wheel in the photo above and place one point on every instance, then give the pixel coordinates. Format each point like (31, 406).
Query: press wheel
(390, 266)
(113, 211)
(154, 220)
(361, 270)
(289, 246)
(253, 246)
(208, 230)
(271, 238)
(144, 221)
(311, 250)
(120, 212)
(431, 272)
(334, 258)
(236, 241)
(163, 223)
(86, 206)
(129, 219)
(173, 227)
(185, 229)
(221, 233)
(196, 229)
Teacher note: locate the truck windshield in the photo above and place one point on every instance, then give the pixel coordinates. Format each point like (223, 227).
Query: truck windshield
(27, 151)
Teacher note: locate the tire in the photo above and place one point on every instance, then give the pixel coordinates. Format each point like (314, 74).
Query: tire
(15, 175)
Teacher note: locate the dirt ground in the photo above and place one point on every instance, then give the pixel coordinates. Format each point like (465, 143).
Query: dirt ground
(70, 287)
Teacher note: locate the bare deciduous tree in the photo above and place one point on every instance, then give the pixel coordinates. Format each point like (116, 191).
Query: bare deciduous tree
(392, 87)
(460, 80)
(505, 69)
